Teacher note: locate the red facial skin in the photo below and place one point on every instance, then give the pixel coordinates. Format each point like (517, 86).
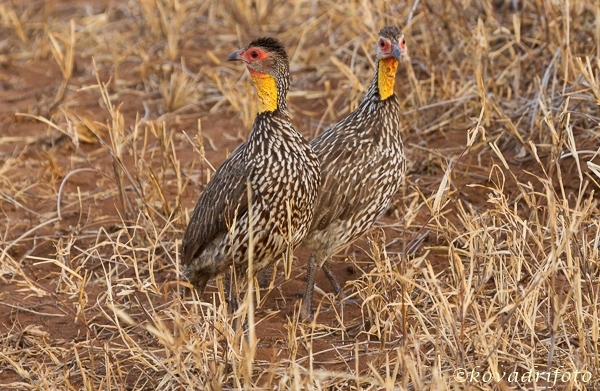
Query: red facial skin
(249, 56)
(254, 54)
(386, 47)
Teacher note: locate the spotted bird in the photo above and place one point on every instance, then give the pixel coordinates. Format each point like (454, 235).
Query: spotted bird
(362, 167)
(278, 166)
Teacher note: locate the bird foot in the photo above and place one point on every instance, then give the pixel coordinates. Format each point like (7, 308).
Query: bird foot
(345, 301)
(306, 316)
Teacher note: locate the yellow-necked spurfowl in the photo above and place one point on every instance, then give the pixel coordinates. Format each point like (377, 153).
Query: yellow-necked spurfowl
(362, 166)
(281, 169)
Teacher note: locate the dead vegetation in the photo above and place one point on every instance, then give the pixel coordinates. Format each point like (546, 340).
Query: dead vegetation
(113, 116)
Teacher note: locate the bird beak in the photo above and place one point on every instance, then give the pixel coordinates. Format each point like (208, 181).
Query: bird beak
(236, 56)
(397, 52)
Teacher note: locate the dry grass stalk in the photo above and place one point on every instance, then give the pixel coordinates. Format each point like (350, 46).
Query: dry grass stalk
(488, 261)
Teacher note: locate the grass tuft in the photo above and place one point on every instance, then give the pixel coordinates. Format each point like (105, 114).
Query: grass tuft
(114, 116)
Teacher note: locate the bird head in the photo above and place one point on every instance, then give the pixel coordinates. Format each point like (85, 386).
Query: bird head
(268, 64)
(391, 43)
(389, 50)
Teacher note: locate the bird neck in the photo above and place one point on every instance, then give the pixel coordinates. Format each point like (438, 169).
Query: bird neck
(385, 77)
(271, 95)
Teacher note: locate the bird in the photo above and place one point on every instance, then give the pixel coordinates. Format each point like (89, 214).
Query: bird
(363, 165)
(270, 182)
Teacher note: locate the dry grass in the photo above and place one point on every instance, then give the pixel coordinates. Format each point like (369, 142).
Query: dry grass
(112, 117)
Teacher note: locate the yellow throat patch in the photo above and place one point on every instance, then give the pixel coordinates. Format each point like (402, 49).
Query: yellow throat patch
(387, 77)
(266, 88)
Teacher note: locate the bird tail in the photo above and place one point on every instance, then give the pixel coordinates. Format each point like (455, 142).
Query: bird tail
(199, 281)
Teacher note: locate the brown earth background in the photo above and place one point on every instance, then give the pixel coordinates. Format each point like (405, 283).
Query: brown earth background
(114, 114)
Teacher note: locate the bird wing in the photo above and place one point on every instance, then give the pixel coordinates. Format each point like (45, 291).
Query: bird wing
(224, 198)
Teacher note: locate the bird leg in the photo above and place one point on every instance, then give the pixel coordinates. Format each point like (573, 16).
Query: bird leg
(231, 296)
(314, 263)
(200, 284)
(265, 276)
(337, 287)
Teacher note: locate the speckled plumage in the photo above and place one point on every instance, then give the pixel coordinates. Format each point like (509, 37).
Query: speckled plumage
(280, 168)
(362, 167)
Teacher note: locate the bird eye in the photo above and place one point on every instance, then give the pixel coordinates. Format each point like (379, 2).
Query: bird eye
(382, 43)
(254, 54)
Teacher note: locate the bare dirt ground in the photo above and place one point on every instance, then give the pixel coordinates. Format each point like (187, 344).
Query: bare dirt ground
(113, 116)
